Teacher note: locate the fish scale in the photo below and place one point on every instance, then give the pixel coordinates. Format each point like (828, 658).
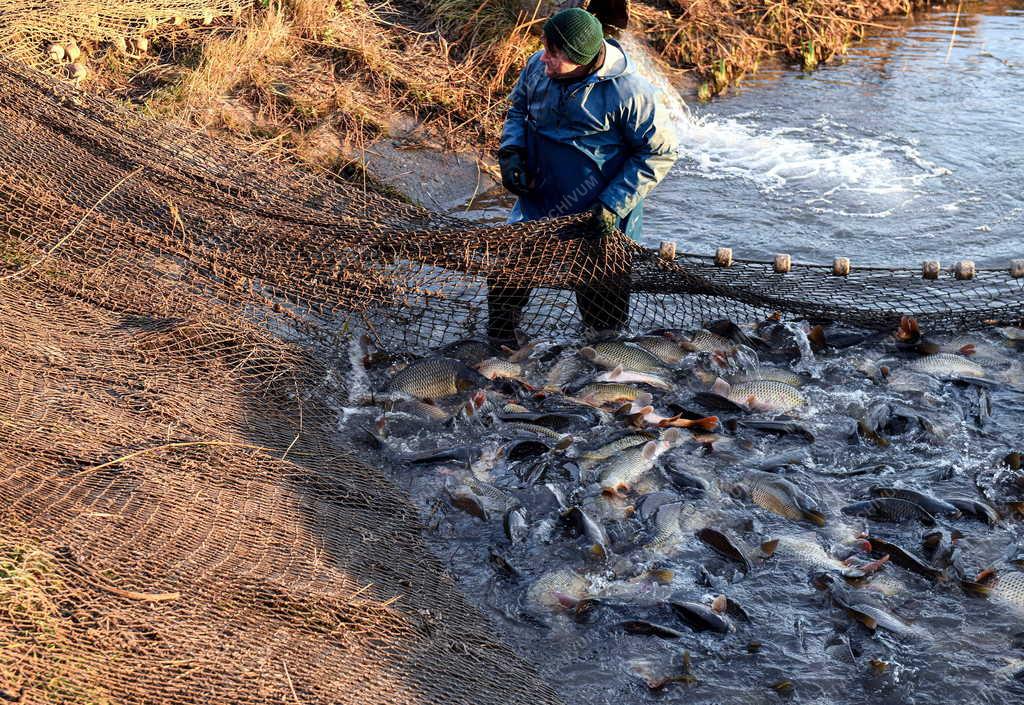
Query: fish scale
(1008, 588)
(770, 394)
(434, 378)
(629, 357)
(625, 469)
(948, 366)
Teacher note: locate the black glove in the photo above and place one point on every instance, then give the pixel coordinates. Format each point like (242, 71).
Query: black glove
(605, 222)
(513, 170)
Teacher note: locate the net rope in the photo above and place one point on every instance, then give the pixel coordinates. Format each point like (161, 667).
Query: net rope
(178, 519)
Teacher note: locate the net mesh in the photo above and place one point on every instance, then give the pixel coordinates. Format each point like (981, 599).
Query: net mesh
(178, 521)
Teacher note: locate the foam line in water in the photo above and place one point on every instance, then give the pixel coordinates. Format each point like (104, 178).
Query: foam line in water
(826, 156)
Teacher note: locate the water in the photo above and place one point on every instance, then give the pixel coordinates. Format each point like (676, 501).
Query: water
(892, 157)
(899, 154)
(940, 441)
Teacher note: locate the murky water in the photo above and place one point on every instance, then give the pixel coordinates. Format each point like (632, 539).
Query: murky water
(942, 438)
(911, 149)
(892, 157)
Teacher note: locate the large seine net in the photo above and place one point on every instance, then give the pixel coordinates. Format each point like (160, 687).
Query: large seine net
(178, 521)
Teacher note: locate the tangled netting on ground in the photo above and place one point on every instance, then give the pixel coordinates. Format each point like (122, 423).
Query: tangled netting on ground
(178, 522)
(29, 27)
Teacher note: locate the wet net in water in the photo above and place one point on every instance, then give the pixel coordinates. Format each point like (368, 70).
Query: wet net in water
(179, 521)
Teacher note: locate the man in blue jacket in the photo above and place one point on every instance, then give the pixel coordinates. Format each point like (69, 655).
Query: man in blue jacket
(584, 133)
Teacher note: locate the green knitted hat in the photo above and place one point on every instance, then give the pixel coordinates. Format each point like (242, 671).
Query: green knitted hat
(577, 33)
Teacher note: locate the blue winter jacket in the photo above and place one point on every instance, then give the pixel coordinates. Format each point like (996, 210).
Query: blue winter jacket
(604, 137)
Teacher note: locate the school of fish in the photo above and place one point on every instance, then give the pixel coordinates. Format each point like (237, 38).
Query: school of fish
(719, 508)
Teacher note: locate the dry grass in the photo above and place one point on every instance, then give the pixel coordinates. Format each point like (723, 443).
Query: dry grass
(37, 608)
(319, 81)
(724, 40)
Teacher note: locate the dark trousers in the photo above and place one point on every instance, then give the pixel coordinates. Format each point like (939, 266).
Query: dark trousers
(603, 307)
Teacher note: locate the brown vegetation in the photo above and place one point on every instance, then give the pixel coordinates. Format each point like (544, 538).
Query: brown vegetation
(320, 80)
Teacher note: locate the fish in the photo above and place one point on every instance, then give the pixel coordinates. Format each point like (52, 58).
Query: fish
(623, 376)
(905, 559)
(663, 347)
(947, 366)
(889, 509)
(759, 396)
(564, 372)
(559, 590)
(702, 618)
(773, 374)
(706, 341)
(805, 550)
(782, 428)
(435, 378)
(471, 352)
(778, 495)
(498, 368)
(668, 536)
(591, 457)
(727, 544)
(516, 525)
(975, 510)
(421, 410)
(940, 545)
(864, 609)
(639, 626)
(682, 479)
(608, 393)
(641, 416)
(932, 505)
(561, 438)
(586, 526)
(524, 448)
(1004, 588)
(624, 469)
(611, 355)
(461, 454)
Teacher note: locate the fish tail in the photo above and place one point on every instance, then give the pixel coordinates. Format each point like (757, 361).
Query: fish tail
(707, 423)
(813, 515)
(976, 589)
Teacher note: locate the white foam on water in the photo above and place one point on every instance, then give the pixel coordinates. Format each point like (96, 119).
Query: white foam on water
(826, 158)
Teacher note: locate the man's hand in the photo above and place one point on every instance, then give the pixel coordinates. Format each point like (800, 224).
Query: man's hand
(605, 222)
(513, 171)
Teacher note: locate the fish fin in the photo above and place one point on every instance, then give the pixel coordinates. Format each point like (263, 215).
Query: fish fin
(650, 450)
(589, 353)
(968, 349)
(720, 604)
(908, 330)
(816, 336)
(564, 442)
(566, 601)
(874, 566)
(975, 589)
(671, 436)
(598, 550)
(708, 423)
(721, 387)
(644, 398)
(644, 410)
(867, 621)
(663, 576)
(927, 347)
(616, 373)
(813, 515)
(768, 547)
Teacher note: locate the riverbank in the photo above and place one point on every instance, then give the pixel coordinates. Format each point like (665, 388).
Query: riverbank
(390, 94)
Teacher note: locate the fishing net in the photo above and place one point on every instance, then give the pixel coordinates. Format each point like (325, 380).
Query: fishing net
(28, 28)
(178, 520)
